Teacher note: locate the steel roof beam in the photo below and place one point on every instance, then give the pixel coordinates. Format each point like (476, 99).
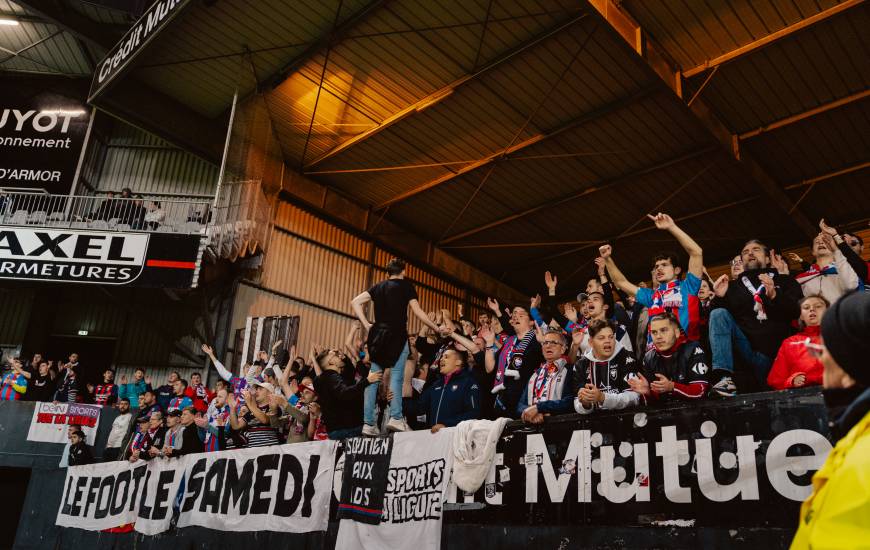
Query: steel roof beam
(770, 38)
(836, 173)
(599, 186)
(704, 114)
(806, 114)
(336, 34)
(55, 12)
(443, 92)
(504, 153)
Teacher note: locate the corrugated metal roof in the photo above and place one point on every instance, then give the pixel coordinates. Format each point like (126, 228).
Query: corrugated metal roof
(582, 110)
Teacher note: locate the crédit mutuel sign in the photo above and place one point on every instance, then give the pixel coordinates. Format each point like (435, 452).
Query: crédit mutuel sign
(145, 29)
(72, 256)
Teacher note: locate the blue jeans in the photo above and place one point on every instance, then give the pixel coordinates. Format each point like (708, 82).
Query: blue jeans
(397, 376)
(344, 433)
(725, 336)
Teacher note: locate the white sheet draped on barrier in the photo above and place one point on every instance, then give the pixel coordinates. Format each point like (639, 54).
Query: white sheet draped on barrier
(281, 488)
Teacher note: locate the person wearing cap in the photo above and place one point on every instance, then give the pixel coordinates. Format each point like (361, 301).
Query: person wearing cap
(137, 442)
(172, 439)
(258, 424)
(79, 453)
(837, 513)
(300, 394)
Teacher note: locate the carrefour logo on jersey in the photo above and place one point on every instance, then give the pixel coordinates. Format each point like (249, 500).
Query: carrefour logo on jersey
(75, 256)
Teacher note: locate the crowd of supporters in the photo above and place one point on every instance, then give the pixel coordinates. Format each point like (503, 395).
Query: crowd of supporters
(618, 345)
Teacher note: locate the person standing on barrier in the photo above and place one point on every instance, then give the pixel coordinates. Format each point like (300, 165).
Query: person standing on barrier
(388, 340)
(837, 513)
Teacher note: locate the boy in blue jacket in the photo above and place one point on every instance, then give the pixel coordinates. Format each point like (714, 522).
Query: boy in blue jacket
(454, 397)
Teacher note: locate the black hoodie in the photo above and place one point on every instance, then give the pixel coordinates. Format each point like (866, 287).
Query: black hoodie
(342, 405)
(764, 336)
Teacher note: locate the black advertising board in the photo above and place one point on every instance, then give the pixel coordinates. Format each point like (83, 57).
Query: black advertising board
(41, 138)
(741, 463)
(140, 34)
(163, 260)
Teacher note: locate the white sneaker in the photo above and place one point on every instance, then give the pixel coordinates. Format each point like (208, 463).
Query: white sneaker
(370, 431)
(513, 373)
(398, 425)
(725, 387)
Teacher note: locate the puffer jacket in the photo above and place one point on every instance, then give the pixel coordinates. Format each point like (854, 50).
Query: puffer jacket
(794, 358)
(447, 401)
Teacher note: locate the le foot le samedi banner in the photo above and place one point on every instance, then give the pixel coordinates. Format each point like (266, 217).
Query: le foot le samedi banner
(98, 257)
(741, 463)
(280, 488)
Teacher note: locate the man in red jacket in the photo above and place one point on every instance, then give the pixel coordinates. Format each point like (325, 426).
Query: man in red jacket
(199, 393)
(795, 364)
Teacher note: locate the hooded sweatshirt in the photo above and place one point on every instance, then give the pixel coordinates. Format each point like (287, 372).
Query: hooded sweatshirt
(794, 358)
(611, 376)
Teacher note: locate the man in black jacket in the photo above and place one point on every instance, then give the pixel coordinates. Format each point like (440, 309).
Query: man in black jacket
(190, 441)
(79, 453)
(751, 314)
(342, 404)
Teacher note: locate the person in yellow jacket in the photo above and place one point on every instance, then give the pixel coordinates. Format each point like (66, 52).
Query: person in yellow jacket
(837, 513)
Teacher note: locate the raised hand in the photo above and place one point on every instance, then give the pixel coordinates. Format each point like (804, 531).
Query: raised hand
(535, 302)
(769, 286)
(459, 309)
(829, 242)
(539, 333)
(570, 312)
(662, 221)
(208, 350)
(720, 287)
(577, 338)
(776, 261)
(492, 304)
(605, 251)
(276, 345)
(600, 262)
(794, 257)
(827, 229)
(550, 280)
(488, 335)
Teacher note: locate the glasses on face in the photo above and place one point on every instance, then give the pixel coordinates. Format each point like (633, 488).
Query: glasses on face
(737, 262)
(853, 243)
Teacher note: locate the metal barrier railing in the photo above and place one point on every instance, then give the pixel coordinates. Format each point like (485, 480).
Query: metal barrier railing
(105, 213)
(240, 225)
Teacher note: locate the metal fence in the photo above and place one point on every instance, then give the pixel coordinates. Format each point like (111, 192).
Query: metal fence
(241, 221)
(161, 215)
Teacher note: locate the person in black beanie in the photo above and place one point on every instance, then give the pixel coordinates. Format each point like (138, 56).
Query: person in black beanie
(835, 515)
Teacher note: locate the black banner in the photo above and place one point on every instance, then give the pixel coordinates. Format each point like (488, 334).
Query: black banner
(744, 462)
(364, 481)
(98, 257)
(140, 34)
(41, 138)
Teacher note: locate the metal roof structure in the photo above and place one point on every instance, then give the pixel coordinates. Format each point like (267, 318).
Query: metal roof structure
(61, 38)
(520, 135)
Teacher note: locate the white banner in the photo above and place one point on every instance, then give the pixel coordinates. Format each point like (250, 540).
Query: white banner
(50, 421)
(101, 496)
(281, 488)
(420, 470)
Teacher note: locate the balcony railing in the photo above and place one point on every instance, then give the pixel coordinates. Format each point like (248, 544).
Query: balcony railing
(240, 225)
(159, 215)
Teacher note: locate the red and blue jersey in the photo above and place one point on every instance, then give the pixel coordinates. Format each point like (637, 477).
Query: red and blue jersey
(12, 387)
(678, 297)
(102, 393)
(179, 403)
